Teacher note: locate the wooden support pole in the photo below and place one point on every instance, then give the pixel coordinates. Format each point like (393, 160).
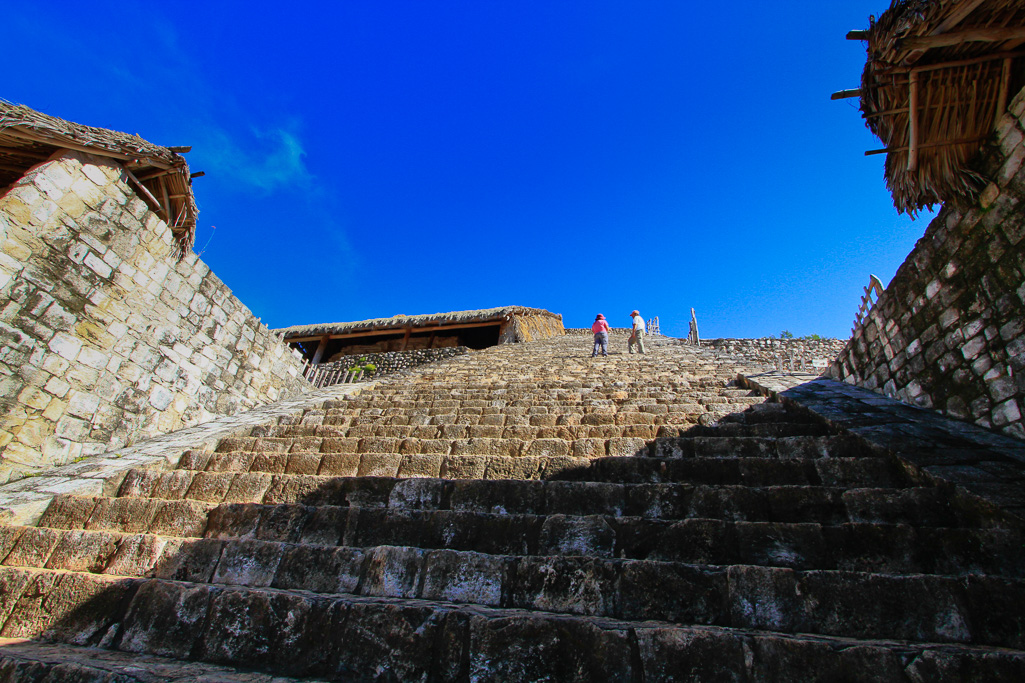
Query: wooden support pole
(913, 123)
(167, 200)
(321, 348)
(405, 339)
(1005, 84)
(147, 194)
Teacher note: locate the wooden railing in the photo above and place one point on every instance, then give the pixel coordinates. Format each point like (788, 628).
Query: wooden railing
(319, 376)
(652, 327)
(874, 286)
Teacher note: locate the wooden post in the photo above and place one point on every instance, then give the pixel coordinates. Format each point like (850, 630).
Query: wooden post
(1005, 84)
(321, 348)
(913, 122)
(405, 339)
(167, 202)
(693, 336)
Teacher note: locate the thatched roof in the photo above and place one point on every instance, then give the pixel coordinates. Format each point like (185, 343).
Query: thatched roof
(401, 322)
(159, 174)
(958, 62)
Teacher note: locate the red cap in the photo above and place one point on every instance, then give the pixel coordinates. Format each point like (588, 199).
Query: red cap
(635, 312)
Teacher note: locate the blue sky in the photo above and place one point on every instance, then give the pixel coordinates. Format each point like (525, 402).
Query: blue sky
(365, 159)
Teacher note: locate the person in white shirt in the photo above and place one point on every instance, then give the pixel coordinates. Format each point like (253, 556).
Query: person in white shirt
(637, 335)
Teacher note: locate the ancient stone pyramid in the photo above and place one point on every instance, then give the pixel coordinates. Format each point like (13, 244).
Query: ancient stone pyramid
(518, 514)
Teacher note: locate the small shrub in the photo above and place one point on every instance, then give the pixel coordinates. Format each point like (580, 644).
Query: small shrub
(786, 334)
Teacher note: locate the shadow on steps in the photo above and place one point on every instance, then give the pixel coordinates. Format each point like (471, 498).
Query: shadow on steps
(429, 579)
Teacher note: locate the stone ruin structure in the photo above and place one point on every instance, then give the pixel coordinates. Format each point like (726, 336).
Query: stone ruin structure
(949, 331)
(404, 341)
(111, 331)
(524, 512)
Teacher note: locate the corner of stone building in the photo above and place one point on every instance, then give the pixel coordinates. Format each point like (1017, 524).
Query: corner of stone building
(106, 337)
(949, 331)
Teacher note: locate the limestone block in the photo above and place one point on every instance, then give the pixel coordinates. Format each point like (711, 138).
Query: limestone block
(34, 397)
(82, 404)
(65, 345)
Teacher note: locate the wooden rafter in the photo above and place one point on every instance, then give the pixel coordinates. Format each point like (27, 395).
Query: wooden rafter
(979, 35)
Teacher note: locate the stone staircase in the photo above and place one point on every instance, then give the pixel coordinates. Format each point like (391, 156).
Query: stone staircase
(522, 513)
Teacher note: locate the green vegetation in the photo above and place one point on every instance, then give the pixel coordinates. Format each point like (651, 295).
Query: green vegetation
(362, 364)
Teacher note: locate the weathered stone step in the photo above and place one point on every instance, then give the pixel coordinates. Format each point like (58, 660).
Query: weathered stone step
(919, 505)
(680, 447)
(896, 549)
(297, 633)
(751, 471)
(24, 661)
(411, 427)
(851, 472)
(531, 404)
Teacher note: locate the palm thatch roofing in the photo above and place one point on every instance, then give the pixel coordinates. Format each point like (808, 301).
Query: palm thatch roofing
(937, 80)
(400, 322)
(160, 174)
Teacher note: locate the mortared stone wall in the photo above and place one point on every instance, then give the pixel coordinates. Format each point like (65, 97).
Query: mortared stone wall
(105, 338)
(949, 331)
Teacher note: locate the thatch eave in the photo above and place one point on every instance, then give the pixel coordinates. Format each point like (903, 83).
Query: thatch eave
(937, 79)
(160, 175)
(399, 323)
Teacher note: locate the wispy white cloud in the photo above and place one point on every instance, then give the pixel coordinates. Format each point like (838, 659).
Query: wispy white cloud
(263, 159)
(155, 77)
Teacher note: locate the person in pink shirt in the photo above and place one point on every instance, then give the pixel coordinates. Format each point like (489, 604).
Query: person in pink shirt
(601, 336)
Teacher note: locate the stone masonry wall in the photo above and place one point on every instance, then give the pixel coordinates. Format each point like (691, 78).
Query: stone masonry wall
(104, 337)
(394, 361)
(784, 354)
(949, 331)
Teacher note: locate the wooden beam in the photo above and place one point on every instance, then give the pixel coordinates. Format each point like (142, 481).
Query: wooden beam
(155, 205)
(946, 143)
(962, 62)
(21, 152)
(197, 174)
(1005, 84)
(975, 35)
(157, 174)
(844, 94)
(167, 200)
(857, 35)
(12, 169)
(405, 339)
(181, 149)
(913, 123)
(395, 331)
(959, 14)
(61, 143)
(321, 348)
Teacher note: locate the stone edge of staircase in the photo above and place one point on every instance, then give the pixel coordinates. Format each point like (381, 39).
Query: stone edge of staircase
(22, 502)
(982, 466)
